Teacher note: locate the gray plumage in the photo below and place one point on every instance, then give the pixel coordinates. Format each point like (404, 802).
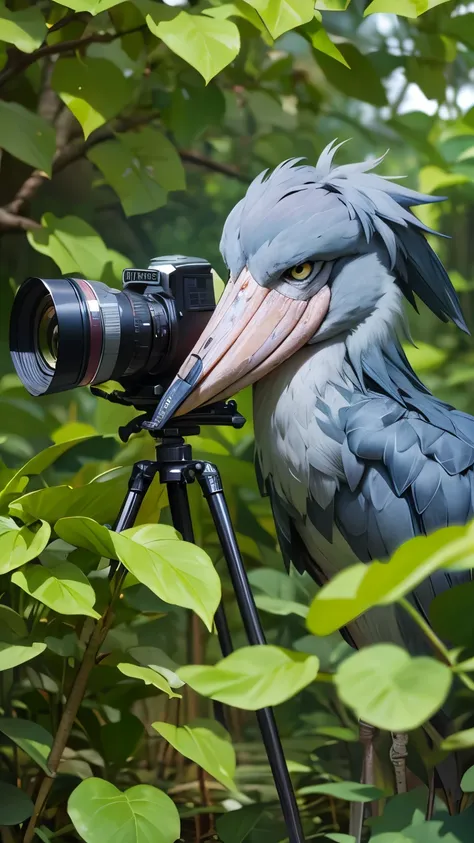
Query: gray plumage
(355, 452)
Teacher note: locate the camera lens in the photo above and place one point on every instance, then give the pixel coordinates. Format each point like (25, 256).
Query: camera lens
(71, 332)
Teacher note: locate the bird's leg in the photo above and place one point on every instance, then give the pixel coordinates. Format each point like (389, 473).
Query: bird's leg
(367, 735)
(398, 756)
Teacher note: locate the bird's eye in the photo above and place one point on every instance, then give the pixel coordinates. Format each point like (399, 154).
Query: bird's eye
(300, 272)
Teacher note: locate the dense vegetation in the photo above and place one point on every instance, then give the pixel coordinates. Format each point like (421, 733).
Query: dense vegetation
(128, 130)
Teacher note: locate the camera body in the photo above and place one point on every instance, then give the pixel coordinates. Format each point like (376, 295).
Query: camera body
(72, 332)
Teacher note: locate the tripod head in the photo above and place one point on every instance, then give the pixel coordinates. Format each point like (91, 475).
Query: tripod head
(222, 414)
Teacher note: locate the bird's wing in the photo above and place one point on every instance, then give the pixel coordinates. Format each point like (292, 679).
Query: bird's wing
(405, 476)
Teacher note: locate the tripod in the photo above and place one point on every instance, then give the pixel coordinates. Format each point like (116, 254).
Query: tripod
(175, 466)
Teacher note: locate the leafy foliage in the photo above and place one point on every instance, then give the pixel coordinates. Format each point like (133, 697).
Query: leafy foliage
(129, 129)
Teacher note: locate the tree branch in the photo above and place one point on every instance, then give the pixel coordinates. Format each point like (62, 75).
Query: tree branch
(215, 166)
(77, 149)
(25, 60)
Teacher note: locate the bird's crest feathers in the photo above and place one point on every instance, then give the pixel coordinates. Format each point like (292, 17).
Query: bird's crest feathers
(320, 206)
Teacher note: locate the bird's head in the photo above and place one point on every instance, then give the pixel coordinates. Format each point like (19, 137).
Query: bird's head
(312, 253)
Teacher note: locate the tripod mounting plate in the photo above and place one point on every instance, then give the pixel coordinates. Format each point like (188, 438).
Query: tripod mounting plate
(222, 414)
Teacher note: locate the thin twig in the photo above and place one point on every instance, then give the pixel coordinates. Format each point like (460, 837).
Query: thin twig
(67, 720)
(25, 60)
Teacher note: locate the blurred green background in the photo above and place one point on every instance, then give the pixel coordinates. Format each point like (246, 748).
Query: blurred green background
(126, 102)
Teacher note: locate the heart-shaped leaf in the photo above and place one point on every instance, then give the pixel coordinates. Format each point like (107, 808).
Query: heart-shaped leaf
(358, 588)
(141, 167)
(15, 648)
(25, 28)
(63, 588)
(27, 136)
(391, 690)
(253, 677)
(39, 463)
(207, 44)
(281, 15)
(101, 497)
(20, 545)
(31, 737)
(207, 743)
(94, 89)
(102, 814)
(148, 676)
(459, 740)
(178, 572)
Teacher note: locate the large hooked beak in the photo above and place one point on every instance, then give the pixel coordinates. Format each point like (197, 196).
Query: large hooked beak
(251, 332)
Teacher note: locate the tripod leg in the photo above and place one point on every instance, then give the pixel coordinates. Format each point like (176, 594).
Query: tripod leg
(211, 485)
(181, 517)
(138, 485)
(140, 480)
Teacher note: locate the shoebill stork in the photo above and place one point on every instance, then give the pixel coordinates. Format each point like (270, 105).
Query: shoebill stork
(354, 451)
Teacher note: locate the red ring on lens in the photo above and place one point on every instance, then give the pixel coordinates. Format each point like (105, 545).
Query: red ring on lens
(96, 331)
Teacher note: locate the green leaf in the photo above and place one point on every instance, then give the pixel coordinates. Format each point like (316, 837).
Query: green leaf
(207, 44)
(391, 690)
(63, 588)
(141, 167)
(25, 28)
(281, 15)
(332, 5)
(467, 781)
(101, 497)
(194, 108)
(322, 42)
(341, 838)
(253, 677)
(159, 661)
(451, 615)
(424, 357)
(73, 430)
(11, 655)
(20, 545)
(94, 7)
(73, 244)
(15, 805)
(93, 89)
(358, 588)
(459, 740)
(102, 814)
(12, 624)
(276, 606)
(236, 826)
(433, 178)
(360, 81)
(39, 463)
(206, 743)
(148, 676)
(27, 136)
(178, 572)
(350, 791)
(120, 740)
(403, 8)
(236, 9)
(30, 737)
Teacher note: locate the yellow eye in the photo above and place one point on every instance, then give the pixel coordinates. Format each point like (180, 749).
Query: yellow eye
(301, 271)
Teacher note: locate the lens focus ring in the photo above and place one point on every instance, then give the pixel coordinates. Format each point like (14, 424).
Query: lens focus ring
(112, 332)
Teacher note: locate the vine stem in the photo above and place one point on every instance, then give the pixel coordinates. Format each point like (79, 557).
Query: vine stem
(68, 717)
(428, 631)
